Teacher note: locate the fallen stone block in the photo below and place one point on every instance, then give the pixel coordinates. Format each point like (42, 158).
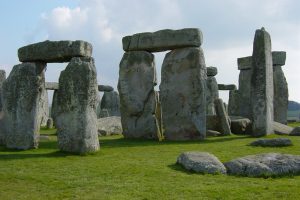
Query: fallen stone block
(277, 142)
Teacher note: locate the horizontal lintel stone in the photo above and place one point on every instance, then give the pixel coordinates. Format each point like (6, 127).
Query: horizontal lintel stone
(227, 87)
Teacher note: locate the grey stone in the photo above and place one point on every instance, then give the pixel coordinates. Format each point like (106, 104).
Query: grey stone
(109, 126)
(111, 102)
(49, 123)
(76, 119)
(183, 94)
(137, 78)
(212, 93)
(163, 40)
(213, 133)
(158, 115)
(227, 87)
(201, 162)
(244, 63)
(51, 86)
(212, 71)
(223, 117)
(281, 129)
(295, 132)
(276, 142)
(103, 113)
(234, 103)
(54, 107)
(264, 165)
(21, 95)
(262, 84)
(240, 125)
(2, 79)
(245, 93)
(44, 106)
(213, 123)
(54, 51)
(105, 88)
(278, 58)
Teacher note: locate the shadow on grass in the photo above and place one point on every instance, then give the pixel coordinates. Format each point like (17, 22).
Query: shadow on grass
(179, 168)
(14, 156)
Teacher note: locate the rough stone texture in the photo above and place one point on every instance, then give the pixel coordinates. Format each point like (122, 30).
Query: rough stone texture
(163, 40)
(22, 95)
(105, 88)
(264, 165)
(109, 126)
(262, 84)
(76, 119)
(137, 78)
(201, 162)
(245, 93)
(227, 87)
(281, 129)
(44, 106)
(2, 79)
(295, 132)
(49, 123)
(213, 123)
(276, 142)
(51, 86)
(234, 103)
(278, 58)
(213, 133)
(212, 71)
(212, 93)
(223, 117)
(54, 51)
(158, 115)
(183, 94)
(240, 125)
(103, 113)
(54, 107)
(245, 63)
(111, 102)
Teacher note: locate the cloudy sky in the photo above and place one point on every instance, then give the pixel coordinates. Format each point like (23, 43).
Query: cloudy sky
(228, 27)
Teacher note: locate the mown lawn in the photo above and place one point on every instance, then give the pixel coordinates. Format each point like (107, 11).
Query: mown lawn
(136, 169)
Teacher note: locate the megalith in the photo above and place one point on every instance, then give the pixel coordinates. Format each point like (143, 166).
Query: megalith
(76, 119)
(183, 94)
(21, 105)
(262, 84)
(223, 118)
(137, 78)
(234, 103)
(2, 131)
(281, 92)
(44, 106)
(212, 92)
(111, 102)
(2, 79)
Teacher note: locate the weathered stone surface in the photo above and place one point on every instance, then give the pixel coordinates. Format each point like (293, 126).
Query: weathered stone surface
(158, 115)
(264, 165)
(212, 93)
(109, 126)
(76, 119)
(201, 162)
(234, 103)
(245, 93)
(295, 132)
(51, 86)
(2, 79)
(244, 63)
(44, 106)
(54, 51)
(227, 87)
(54, 107)
(281, 95)
(21, 98)
(278, 58)
(223, 117)
(163, 40)
(137, 78)
(213, 123)
(105, 88)
(213, 133)
(262, 84)
(281, 129)
(183, 94)
(212, 71)
(49, 123)
(240, 125)
(111, 102)
(103, 113)
(276, 142)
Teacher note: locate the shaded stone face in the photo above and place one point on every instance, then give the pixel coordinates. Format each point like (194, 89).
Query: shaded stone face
(163, 40)
(111, 102)
(51, 86)
(21, 105)
(222, 117)
(278, 58)
(76, 119)
(234, 103)
(105, 88)
(245, 93)
(212, 93)
(54, 51)
(262, 84)
(2, 79)
(183, 94)
(137, 78)
(227, 87)
(211, 71)
(44, 106)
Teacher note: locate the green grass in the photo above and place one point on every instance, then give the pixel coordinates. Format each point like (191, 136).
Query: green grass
(136, 169)
(294, 124)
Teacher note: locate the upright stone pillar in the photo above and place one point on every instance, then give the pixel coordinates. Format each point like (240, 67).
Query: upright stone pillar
(137, 78)
(262, 84)
(111, 102)
(76, 119)
(281, 92)
(2, 127)
(183, 94)
(54, 107)
(212, 92)
(44, 107)
(21, 98)
(2, 79)
(223, 118)
(234, 103)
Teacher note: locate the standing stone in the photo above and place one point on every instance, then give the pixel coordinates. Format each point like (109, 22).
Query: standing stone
(262, 84)
(183, 94)
(44, 106)
(105, 88)
(111, 102)
(54, 107)
(234, 103)
(223, 117)
(137, 78)
(212, 92)
(76, 119)
(2, 127)
(2, 79)
(21, 95)
(49, 123)
(281, 92)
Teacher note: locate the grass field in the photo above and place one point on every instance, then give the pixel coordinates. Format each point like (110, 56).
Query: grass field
(136, 169)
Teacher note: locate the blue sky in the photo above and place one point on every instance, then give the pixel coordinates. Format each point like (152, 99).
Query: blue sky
(228, 27)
